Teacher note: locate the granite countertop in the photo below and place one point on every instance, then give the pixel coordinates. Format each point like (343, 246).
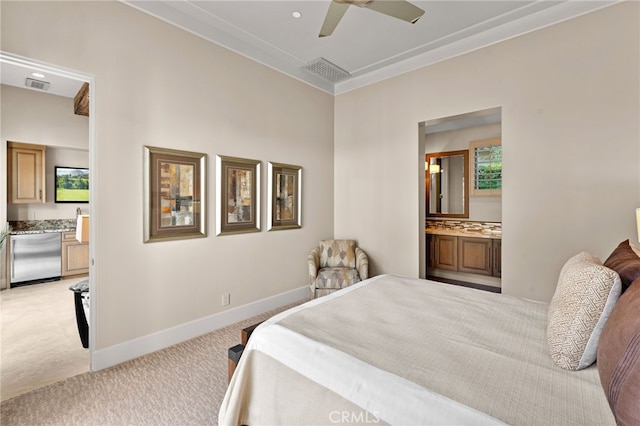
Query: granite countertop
(42, 231)
(465, 233)
(20, 227)
(464, 228)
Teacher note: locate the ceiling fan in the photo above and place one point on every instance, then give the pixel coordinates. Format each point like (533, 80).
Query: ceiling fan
(400, 9)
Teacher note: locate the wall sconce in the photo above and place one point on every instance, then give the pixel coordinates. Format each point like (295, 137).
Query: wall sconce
(434, 168)
(82, 228)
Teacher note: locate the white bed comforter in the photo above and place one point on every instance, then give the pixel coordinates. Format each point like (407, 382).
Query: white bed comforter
(413, 352)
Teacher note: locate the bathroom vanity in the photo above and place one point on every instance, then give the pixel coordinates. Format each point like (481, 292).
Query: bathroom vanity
(465, 251)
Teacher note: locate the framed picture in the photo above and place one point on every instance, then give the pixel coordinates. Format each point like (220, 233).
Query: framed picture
(238, 189)
(285, 196)
(174, 194)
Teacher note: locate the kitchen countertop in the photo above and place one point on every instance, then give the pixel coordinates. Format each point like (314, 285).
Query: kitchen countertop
(40, 231)
(23, 227)
(465, 233)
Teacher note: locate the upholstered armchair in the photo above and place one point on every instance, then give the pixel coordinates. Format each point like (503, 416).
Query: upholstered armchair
(336, 264)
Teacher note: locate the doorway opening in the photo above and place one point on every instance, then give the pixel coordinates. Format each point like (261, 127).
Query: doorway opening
(14, 66)
(460, 242)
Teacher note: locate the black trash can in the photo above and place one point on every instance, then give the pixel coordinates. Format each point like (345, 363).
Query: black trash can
(81, 290)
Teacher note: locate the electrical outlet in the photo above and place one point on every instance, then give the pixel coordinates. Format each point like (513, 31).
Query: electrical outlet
(226, 299)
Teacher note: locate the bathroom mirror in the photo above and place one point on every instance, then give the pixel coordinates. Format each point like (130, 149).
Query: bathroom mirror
(446, 181)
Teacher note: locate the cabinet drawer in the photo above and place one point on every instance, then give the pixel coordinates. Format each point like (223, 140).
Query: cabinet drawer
(69, 236)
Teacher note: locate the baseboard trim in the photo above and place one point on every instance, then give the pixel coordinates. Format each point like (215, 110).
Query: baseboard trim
(116, 354)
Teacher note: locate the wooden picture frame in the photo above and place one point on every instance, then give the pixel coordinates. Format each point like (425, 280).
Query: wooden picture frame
(238, 189)
(284, 210)
(174, 194)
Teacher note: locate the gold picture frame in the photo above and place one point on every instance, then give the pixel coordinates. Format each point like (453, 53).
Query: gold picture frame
(174, 194)
(284, 210)
(238, 189)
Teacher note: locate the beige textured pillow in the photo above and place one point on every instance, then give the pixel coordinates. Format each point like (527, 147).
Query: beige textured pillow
(585, 296)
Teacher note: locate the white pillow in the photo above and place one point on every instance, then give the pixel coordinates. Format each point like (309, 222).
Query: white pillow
(585, 296)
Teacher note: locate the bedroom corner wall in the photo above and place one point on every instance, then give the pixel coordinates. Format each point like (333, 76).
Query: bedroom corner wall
(571, 147)
(160, 86)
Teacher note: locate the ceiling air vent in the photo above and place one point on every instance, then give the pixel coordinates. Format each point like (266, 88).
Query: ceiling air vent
(325, 69)
(37, 84)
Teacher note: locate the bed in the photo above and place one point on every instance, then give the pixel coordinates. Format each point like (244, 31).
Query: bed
(406, 351)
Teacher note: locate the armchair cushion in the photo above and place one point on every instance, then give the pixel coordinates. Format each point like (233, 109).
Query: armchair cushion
(336, 278)
(337, 254)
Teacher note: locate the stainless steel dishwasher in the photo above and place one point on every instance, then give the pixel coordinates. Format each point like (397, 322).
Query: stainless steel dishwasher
(35, 256)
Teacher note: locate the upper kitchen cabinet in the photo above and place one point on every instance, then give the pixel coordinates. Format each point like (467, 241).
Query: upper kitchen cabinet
(25, 173)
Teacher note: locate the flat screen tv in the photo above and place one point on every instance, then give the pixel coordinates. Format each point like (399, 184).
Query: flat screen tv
(72, 185)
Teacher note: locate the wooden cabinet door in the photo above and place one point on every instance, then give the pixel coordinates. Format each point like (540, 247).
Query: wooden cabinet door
(497, 258)
(431, 251)
(446, 256)
(474, 255)
(25, 171)
(75, 255)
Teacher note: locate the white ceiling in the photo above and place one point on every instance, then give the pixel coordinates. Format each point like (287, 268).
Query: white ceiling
(15, 74)
(368, 45)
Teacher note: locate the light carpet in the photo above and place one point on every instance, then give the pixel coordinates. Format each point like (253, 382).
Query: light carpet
(180, 385)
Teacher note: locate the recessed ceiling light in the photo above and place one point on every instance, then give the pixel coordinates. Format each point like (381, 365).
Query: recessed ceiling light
(296, 14)
(37, 74)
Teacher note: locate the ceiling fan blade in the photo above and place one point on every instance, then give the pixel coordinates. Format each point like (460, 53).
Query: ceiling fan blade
(334, 15)
(400, 9)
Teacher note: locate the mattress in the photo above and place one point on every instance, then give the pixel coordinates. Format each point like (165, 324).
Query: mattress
(398, 350)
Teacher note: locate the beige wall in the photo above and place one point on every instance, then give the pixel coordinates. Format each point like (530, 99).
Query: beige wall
(571, 147)
(34, 117)
(44, 119)
(484, 209)
(158, 85)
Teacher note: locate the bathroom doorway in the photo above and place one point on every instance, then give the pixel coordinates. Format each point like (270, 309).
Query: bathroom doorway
(453, 202)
